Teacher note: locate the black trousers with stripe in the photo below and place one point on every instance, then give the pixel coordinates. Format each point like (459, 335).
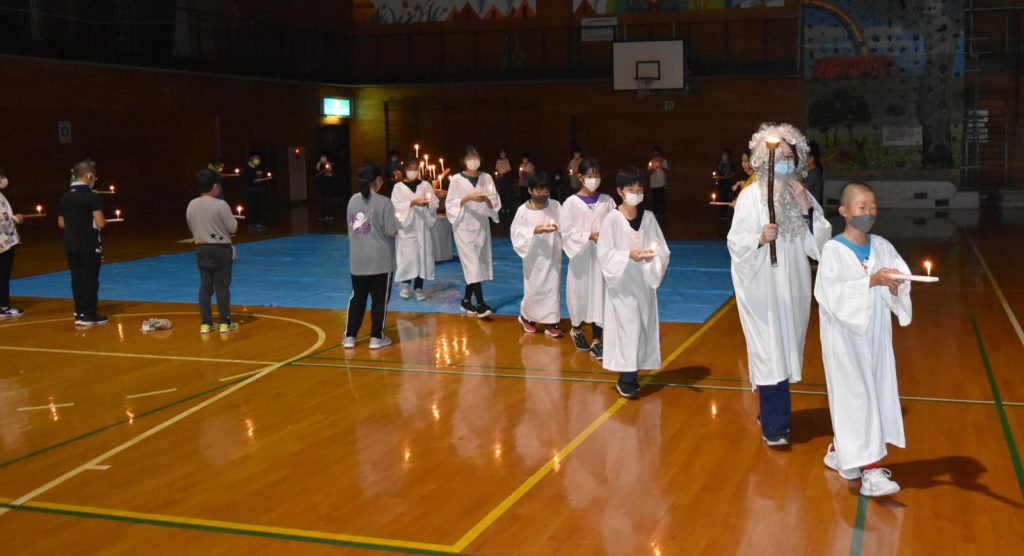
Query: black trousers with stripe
(378, 288)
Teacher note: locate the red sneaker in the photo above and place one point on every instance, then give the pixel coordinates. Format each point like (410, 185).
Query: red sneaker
(528, 326)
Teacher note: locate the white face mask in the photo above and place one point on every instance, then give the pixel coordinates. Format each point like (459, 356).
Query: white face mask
(591, 183)
(473, 164)
(634, 199)
(412, 174)
(3, 183)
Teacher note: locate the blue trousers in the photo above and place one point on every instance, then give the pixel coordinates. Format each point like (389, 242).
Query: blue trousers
(775, 409)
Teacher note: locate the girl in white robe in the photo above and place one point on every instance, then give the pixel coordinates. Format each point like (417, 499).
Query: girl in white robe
(416, 209)
(535, 238)
(775, 302)
(580, 226)
(473, 200)
(856, 298)
(634, 257)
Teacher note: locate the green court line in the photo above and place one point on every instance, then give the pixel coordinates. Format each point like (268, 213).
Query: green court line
(219, 529)
(115, 424)
(857, 541)
(1011, 445)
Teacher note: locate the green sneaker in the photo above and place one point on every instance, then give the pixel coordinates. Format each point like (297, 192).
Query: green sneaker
(205, 329)
(226, 327)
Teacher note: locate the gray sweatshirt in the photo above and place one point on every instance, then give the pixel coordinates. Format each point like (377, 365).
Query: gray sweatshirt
(210, 220)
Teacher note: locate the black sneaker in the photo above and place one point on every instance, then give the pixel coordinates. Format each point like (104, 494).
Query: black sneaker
(92, 320)
(483, 311)
(10, 312)
(629, 391)
(469, 308)
(579, 339)
(597, 350)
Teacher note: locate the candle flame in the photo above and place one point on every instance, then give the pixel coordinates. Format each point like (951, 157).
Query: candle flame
(39, 209)
(928, 267)
(771, 141)
(111, 188)
(117, 213)
(239, 209)
(713, 197)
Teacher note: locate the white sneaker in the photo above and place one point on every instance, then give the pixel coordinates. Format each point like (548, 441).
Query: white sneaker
(420, 296)
(832, 462)
(349, 342)
(403, 291)
(876, 482)
(377, 343)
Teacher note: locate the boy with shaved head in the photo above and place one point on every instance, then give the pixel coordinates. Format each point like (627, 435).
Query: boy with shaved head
(856, 292)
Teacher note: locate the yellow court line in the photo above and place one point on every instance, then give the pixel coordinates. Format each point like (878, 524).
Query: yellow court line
(232, 526)
(321, 339)
(521, 491)
(135, 355)
(999, 291)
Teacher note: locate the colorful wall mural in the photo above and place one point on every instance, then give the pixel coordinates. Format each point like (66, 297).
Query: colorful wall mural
(424, 11)
(884, 87)
(612, 7)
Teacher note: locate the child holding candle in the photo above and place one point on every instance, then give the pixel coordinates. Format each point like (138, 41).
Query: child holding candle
(81, 218)
(580, 225)
(634, 257)
(856, 292)
(472, 201)
(774, 302)
(416, 209)
(9, 240)
(210, 220)
(371, 225)
(536, 240)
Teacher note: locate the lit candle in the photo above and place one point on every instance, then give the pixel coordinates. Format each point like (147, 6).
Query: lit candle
(111, 188)
(270, 175)
(238, 170)
(117, 213)
(928, 267)
(441, 160)
(551, 222)
(714, 197)
(39, 209)
(417, 147)
(426, 159)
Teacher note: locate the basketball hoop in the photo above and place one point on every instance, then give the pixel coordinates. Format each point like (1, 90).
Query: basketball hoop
(643, 86)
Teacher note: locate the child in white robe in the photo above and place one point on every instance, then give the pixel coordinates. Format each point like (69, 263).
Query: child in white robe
(856, 292)
(535, 238)
(634, 257)
(580, 227)
(416, 209)
(471, 202)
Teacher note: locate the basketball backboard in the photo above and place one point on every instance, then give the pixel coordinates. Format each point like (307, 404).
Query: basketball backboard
(655, 64)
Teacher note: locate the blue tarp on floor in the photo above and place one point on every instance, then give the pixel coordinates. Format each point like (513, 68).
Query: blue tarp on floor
(311, 271)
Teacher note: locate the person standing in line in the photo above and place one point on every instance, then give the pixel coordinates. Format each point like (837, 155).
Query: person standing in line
(210, 220)
(371, 225)
(536, 240)
(503, 181)
(416, 209)
(472, 203)
(658, 170)
(9, 241)
(324, 187)
(81, 218)
(255, 184)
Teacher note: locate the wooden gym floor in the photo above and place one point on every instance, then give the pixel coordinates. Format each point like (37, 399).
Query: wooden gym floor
(467, 436)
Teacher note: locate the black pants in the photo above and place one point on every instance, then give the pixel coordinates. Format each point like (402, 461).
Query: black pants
(214, 263)
(6, 266)
(323, 197)
(256, 207)
(774, 409)
(378, 288)
(659, 200)
(417, 283)
(724, 188)
(85, 281)
(595, 330)
(475, 289)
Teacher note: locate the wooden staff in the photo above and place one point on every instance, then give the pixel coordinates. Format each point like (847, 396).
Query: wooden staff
(772, 143)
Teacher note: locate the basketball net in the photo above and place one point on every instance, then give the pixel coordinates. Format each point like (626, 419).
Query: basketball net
(643, 87)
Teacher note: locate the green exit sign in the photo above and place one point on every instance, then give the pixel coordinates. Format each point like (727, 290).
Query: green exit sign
(337, 106)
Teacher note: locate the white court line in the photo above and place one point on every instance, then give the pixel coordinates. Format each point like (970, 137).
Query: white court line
(51, 406)
(233, 377)
(693, 386)
(999, 291)
(321, 339)
(136, 355)
(154, 393)
(99, 467)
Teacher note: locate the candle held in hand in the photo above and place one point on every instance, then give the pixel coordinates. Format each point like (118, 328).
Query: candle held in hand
(39, 209)
(117, 213)
(928, 267)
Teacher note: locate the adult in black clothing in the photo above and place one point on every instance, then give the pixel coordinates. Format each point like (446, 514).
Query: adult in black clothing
(81, 218)
(324, 187)
(255, 184)
(815, 173)
(725, 178)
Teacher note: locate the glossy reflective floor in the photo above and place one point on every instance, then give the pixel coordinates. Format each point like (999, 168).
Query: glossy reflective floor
(467, 436)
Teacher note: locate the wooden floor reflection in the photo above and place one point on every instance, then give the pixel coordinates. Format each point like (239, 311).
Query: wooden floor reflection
(468, 436)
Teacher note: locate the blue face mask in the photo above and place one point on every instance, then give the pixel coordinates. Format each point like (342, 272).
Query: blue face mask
(785, 167)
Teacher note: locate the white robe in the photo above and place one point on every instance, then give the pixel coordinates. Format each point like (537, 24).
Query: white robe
(856, 344)
(584, 283)
(631, 335)
(414, 245)
(470, 226)
(542, 262)
(774, 302)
